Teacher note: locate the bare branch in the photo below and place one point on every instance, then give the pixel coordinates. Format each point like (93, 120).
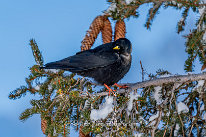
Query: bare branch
(191, 130)
(156, 82)
(165, 130)
(167, 80)
(180, 1)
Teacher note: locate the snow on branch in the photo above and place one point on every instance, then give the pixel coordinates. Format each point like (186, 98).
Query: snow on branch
(158, 82)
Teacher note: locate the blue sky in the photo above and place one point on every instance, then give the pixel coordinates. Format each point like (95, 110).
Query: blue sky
(59, 27)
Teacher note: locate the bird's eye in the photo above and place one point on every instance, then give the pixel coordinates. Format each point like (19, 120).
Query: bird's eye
(116, 47)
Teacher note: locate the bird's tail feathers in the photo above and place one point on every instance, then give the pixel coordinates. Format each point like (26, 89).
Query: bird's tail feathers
(56, 65)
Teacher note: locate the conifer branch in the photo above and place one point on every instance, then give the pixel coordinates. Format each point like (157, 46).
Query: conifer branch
(157, 82)
(36, 52)
(181, 23)
(28, 113)
(152, 12)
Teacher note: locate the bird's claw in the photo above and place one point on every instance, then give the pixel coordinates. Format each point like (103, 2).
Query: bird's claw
(121, 86)
(110, 90)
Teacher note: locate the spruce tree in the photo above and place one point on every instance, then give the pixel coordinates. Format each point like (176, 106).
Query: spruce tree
(162, 104)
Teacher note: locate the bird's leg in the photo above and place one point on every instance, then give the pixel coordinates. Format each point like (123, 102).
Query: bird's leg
(109, 89)
(121, 86)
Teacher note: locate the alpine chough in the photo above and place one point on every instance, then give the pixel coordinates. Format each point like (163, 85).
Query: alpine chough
(107, 63)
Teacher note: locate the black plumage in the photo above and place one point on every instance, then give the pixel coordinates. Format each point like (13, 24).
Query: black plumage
(107, 63)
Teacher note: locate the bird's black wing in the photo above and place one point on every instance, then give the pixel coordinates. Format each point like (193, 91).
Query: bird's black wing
(85, 60)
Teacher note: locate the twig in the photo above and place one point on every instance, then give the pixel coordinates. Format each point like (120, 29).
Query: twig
(171, 131)
(173, 90)
(157, 123)
(198, 130)
(182, 124)
(165, 130)
(142, 70)
(191, 129)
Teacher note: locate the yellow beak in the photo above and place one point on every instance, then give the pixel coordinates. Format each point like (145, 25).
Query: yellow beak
(116, 48)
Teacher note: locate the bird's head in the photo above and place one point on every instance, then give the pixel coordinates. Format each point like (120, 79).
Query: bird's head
(122, 46)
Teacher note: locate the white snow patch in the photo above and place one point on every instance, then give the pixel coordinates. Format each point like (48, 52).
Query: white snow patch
(88, 34)
(181, 107)
(141, 120)
(204, 70)
(177, 127)
(129, 1)
(138, 134)
(204, 116)
(199, 85)
(49, 87)
(153, 117)
(173, 2)
(52, 70)
(204, 36)
(165, 75)
(168, 113)
(202, 107)
(54, 133)
(157, 95)
(37, 87)
(112, 7)
(103, 111)
(179, 5)
(18, 92)
(190, 73)
(201, 9)
(133, 96)
(86, 105)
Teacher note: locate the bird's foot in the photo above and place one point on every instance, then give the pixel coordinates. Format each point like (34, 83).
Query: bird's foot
(121, 86)
(109, 89)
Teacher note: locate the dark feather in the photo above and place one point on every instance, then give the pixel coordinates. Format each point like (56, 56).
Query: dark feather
(85, 60)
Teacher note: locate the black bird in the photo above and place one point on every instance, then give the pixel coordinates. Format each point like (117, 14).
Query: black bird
(107, 63)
